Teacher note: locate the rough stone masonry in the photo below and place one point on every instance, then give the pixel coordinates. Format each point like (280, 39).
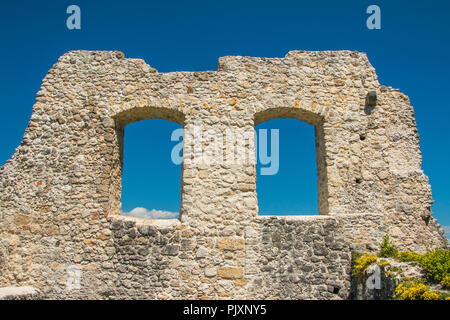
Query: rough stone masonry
(60, 191)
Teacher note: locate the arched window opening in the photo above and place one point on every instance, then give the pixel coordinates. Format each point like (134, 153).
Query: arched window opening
(286, 182)
(151, 177)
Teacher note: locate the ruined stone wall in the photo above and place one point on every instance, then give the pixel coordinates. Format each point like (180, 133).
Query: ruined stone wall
(60, 191)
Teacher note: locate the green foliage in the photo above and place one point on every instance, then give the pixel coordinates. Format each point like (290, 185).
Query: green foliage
(436, 264)
(407, 256)
(387, 251)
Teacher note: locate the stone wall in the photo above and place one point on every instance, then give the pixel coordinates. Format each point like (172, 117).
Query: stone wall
(60, 191)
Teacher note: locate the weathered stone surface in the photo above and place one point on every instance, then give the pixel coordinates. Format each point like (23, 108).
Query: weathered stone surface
(210, 272)
(202, 252)
(230, 273)
(60, 191)
(19, 293)
(22, 220)
(230, 244)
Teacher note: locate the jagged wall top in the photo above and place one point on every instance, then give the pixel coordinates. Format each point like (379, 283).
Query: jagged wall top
(60, 192)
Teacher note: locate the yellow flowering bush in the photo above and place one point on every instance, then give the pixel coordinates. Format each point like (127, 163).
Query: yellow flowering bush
(363, 262)
(415, 289)
(430, 295)
(411, 289)
(383, 263)
(446, 282)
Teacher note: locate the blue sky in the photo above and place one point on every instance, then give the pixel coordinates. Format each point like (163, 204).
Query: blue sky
(410, 52)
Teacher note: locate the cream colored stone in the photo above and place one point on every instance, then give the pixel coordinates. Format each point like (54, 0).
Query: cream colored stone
(230, 273)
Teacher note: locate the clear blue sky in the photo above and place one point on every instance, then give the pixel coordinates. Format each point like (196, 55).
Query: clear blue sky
(410, 52)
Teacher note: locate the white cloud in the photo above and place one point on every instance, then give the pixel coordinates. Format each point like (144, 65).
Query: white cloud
(141, 212)
(447, 231)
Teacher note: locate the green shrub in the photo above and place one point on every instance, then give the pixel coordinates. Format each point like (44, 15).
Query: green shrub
(407, 256)
(436, 264)
(387, 251)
